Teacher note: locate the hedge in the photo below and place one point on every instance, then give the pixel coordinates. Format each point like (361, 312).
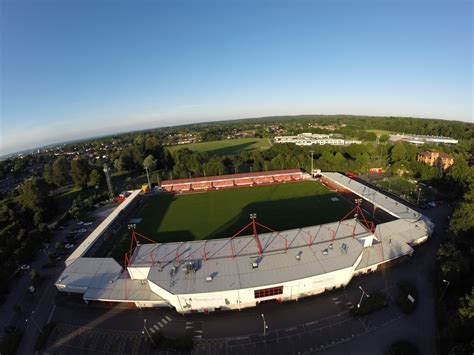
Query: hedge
(43, 336)
(181, 343)
(377, 300)
(406, 288)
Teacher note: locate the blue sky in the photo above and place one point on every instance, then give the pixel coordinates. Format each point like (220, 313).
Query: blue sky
(73, 69)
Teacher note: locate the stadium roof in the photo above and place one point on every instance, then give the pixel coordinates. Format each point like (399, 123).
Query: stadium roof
(123, 289)
(231, 176)
(275, 264)
(101, 228)
(89, 273)
(386, 203)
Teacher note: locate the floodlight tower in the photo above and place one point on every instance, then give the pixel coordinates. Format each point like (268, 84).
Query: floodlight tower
(253, 217)
(109, 182)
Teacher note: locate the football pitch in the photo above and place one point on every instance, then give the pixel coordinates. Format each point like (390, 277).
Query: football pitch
(220, 214)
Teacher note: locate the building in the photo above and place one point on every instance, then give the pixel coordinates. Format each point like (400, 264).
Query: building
(438, 159)
(243, 271)
(420, 140)
(308, 139)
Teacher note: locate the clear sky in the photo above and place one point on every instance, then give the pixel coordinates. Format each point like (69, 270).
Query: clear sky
(73, 69)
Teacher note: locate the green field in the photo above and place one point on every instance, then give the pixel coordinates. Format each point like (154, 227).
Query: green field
(220, 214)
(223, 147)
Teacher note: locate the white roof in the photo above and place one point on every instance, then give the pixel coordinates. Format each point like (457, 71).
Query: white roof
(123, 290)
(101, 228)
(386, 203)
(87, 273)
(275, 265)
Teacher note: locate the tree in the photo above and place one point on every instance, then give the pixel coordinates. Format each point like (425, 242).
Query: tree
(398, 153)
(48, 174)
(60, 172)
(149, 162)
(35, 196)
(34, 275)
(79, 172)
(450, 258)
(96, 178)
(466, 311)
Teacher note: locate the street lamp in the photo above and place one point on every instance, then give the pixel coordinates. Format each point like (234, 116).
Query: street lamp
(148, 178)
(145, 330)
(362, 296)
(418, 199)
(444, 291)
(265, 326)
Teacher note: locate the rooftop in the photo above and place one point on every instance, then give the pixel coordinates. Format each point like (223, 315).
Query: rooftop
(380, 200)
(275, 265)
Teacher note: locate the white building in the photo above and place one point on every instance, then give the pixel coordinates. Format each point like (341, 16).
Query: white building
(308, 139)
(234, 273)
(420, 140)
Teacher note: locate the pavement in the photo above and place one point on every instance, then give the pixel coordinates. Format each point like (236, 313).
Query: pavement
(314, 324)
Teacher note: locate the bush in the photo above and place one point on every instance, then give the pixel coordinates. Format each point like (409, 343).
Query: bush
(376, 301)
(10, 343)
(403, 347)
(182, 343)
(43, 336)
(406, 288)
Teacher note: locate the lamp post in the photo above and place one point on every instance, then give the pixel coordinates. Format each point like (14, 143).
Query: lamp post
(148, 178)
(362, 296)
(265, 326)
(444, 291)
(145, 330)
(312, 152)
(419, 194)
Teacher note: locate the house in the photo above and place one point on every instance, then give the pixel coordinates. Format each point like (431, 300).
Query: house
(433, 158)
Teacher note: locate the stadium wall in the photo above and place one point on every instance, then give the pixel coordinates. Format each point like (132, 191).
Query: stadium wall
(244, 298)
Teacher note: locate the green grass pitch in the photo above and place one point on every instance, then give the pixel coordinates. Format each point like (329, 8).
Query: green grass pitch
(224, 147)
(220, 214)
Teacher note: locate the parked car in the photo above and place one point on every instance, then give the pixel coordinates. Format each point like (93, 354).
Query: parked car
(25, 267)
(31, 289)
(82, 230)
(80, 222)
(69, 246)
(87, 223)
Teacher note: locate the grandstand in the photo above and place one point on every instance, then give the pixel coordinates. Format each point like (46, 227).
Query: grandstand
(244, 270)
(233, 180)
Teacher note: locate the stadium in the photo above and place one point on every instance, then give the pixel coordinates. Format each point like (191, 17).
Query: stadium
(274, 236)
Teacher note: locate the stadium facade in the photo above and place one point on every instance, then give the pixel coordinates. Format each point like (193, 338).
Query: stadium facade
(242, 271)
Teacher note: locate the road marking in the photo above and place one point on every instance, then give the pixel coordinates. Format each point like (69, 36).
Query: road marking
(168, 318)
(189, 326)
(152, 330)
(164, 321)
(156, 327)
(160, 324)
(51, 313)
